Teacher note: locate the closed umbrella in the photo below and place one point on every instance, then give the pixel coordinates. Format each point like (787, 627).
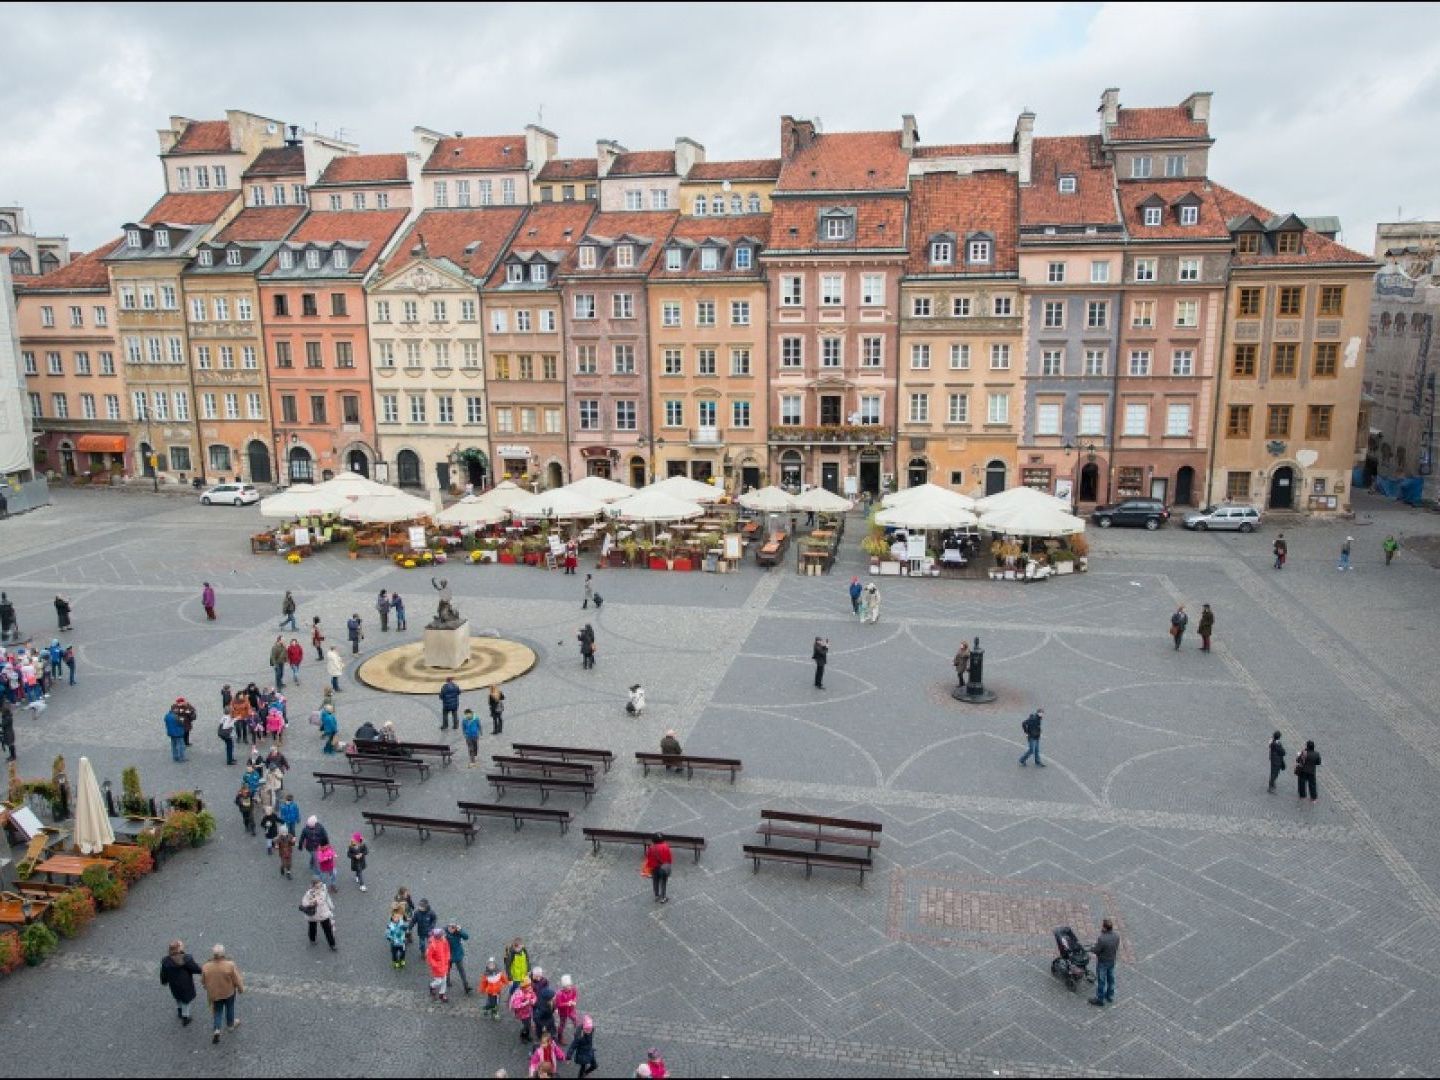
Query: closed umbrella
(927, 491)
(386, 508)
(92, 824)
(821, 501)
(657, 507)
(682, 487)
(558, 504)
(768, 500)
(600, 487)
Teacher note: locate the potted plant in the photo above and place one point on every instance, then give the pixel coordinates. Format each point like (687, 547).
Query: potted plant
(132, 802)
(507, 554)
(132, 863)
(37, 942)
(108, 890)
(354, 547)
(623, 553)
(71, 912)
(1081, 547)
(1063, 561)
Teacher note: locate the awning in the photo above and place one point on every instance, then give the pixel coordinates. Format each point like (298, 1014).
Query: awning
(101, 444)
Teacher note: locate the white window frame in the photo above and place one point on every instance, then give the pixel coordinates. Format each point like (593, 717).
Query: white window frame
(1189, 215)
(792, 290)
(670, 313)
(1144, 269)
(919, 356)
(832, 290)
(1067, 185)
(1100, 272)
(1141, 166)
(942, 253)
(1189, 270)
(1091, 411)
(872, 290)
(1052, 363)
(1052, 314)
(1136, 419)
(1055, 273)
(997, 407)
(919, 408)
(1154, 216)
(1174, 411)
(1049, 415)
(979, 252)
(1139, 362)
(959, 356)
(1187, 314)
(1182, 362)
(957, 409)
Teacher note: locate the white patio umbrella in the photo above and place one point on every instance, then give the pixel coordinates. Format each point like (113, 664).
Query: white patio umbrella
(821, 501)
(1031, 519)
(1021, 496)
(385, 508)
(92, 824)
(682, 487)
(927, 491)
(351, 485)
(600, 487)
(768, 500)
(926, 513)
(300, 500)
(655, 507)
(472, 511)
(559, 503)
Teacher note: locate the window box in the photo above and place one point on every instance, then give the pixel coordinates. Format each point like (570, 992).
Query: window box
(683, 562)
(658, 562)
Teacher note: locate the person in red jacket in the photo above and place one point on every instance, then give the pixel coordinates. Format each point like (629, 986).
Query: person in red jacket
(437, 959)
(294, 654)
(657, 861)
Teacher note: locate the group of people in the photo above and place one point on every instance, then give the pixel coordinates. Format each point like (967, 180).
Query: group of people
(865, 601)
(29, 672)
(1180, 620)
(1281, 550)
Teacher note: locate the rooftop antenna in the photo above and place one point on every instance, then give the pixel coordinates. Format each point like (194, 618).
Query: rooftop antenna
(540, 115)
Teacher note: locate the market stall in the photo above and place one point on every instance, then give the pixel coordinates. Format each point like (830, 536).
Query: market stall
(680, 547)
(929, 532)
(1034, 540)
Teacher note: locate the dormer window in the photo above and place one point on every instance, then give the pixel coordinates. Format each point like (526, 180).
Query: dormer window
(287, 259)
(674, 258)
(232, 257)
(162, 238)
(743, 258)
(1153, 215)
(942, 253)
(587, 257)
(838, 227)
(1067, 185)
(515, 273)
(539, 273)
(1248, 243)
(700, 206)
(978, 251)
(1189, 215)
(1287, 243)
(625, 255)
(132, 238)
(207, 258)
(709, 259)
(341, 258)
(312, 258)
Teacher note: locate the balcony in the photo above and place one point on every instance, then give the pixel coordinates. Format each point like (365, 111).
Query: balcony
(706, 437)
(833, 434)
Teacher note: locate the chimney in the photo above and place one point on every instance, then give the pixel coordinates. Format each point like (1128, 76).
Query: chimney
(425, 142)
(540, 147)
(1109, 109)
(688, 153)
(1024, 142)
(1198, 106)
(909, 133)
(795, 135)
(171, 135)
(606, 151)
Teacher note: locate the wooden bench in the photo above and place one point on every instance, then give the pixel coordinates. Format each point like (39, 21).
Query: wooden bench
(817, 831)
(360, 784)
(771, 552)
(544, 784)
(518, 814)
(811, 859)
(389, 762)
(19, 910)
(423, 826)
(444, 751)
(597, 837)
(565, 753)
(42, 890)
(689, 762)
(574, 770)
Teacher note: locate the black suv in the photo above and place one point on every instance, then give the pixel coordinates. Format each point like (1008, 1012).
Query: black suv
(1152, 513)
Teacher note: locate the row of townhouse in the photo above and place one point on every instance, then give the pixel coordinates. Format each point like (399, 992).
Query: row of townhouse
(1084, 314)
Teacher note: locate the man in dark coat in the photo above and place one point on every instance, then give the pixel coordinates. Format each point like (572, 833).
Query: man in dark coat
(821, 656)
(7, 731)
(1178, 622)
(1106, 949)
(355, 632)
(1207, 627)
(8, 626)
(178, 971)
(1277, 758)
(450, 704)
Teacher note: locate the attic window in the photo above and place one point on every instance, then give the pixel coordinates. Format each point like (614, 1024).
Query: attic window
(287, 259)
(1189, 215)
(132, 238)
(341, 258)
(942, 252)
(1067, 185)
(1248, 243)
(838, 225)
(515, 273)
(206, 258)
(587, 256)
(162, 238)
(709, 258)
(979, 250)
(312, 258)
(232, 257)
(1287, 243)
(1153, 215)
(742, 258)
(472, 247)
(674, 258)
(539, 273)
(625, 255)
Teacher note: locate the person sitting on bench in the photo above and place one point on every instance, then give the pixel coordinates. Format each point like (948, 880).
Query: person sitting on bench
(366, 732)
(670, 746)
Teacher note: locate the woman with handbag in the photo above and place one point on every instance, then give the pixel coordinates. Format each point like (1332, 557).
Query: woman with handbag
(319, 910)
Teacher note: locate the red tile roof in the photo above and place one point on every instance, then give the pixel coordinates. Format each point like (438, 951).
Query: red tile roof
(1212, 219)
(369, 227)
(277, 161)
(987, 202)
(965, 150)
(644, 163)
(1093, 201)
(880, 223)
(472, 239)
(652, 225)
(190, 208)
(256, 223)
(204, 137)
(730, 229)
(552, 227)
(560, 169)
(478, 153)
(1315, 249)
(847, 161)
(1171, 122)
(87, 271)
(365, 169)
(749, 169)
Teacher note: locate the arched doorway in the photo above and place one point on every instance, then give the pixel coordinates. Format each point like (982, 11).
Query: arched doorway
(67, 458)
(1282, 488)
(259, 455)
(994, 477)
(637, 471)
(477, 468)
(407, 467)
(146, 453)
(917, 472)
(554, 475)
(1090, 483)
(357, 461)
(1185, 486)
(302, 466)
(791, 467)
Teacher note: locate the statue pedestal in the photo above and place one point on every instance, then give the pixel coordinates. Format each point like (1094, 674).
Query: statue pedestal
(447, 649)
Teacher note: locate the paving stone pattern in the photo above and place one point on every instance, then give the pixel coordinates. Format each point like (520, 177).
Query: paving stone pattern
(1261, 936)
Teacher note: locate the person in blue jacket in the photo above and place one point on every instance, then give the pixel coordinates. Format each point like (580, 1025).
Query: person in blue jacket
(175, 728)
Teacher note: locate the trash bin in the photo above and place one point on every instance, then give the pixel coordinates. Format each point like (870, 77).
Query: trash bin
(712, 563)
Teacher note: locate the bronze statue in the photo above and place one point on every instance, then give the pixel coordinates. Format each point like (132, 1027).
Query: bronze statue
(446, 617)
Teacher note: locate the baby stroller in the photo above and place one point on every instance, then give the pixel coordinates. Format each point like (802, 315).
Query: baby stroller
(1073, 963)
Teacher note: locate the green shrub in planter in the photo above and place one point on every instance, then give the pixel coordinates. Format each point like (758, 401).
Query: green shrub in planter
(37, 942)
(131, 864)
(70, 913)
(108, 890)
(188, 828)
(133, 800)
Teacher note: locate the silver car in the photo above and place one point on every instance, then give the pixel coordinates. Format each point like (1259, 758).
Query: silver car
(1240, 518)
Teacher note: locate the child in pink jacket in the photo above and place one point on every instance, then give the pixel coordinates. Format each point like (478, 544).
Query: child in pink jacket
(566, 1006)
(548, 1053)
(522, 1005)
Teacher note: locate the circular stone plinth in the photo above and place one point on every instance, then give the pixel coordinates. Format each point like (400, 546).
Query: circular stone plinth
(985, 697)
(402, 670)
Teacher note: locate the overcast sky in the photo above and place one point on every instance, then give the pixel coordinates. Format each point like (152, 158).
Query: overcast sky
(1320, 108)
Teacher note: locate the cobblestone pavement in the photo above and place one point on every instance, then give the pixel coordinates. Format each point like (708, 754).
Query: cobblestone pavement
(1261, 935)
